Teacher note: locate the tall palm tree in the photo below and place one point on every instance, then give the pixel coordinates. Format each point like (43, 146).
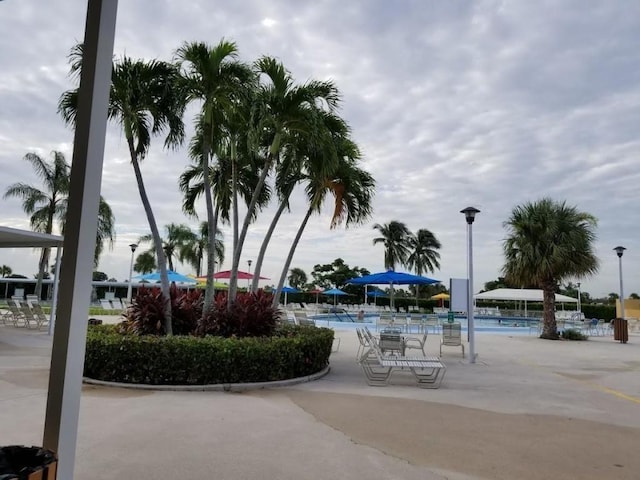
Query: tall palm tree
(352, 189)
(395, 238)
(177, 240)
(423, 256)
(297, 278)
(50, 204)
(145, 263)
(294, 119)
(5, 271)
(548, 242)
(145, 101)
(214, 77)
(194, 251)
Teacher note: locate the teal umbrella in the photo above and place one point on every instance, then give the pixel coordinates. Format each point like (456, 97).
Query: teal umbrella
(335, 292)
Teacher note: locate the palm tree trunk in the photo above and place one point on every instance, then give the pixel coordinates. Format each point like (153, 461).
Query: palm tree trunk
(157, 241)
(265, 244)
(211, 227)
(550, 328)
(211, 266)
(234, 195)
(42, 268)
(292, 250)
(233, 281)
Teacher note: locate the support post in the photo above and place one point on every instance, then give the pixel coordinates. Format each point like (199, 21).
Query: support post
(67, 357)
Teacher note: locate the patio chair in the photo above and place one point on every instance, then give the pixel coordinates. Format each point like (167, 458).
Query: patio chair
(416, 343)
(17, 316)
(302, 319)
(363, 343)
(432, 321)
(385, 320)
(391, 343)
(451, 336)
(41, 317)
(30, 321)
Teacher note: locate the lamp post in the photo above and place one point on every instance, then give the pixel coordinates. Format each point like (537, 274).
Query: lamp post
(579, 302)
(133, 247)
(249, 262)
(470, 215)
(619, 251)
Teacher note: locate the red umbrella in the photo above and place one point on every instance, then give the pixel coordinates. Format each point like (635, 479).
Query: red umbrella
(241, 275)
(317, 291)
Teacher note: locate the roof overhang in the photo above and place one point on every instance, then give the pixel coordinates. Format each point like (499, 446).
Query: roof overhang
(15, 238)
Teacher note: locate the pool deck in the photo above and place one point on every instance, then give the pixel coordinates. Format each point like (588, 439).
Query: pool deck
(528, 409)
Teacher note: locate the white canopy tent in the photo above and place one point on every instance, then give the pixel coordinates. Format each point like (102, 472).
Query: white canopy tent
(515, 294)
(521, 294)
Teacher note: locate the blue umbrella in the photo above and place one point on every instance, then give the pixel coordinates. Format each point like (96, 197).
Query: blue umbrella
(391, 278)
(335, 292)
(287, 290)
(376, 293)
(173, 277)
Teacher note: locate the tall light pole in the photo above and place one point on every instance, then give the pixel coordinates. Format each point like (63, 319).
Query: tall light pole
(249, 262)
(619, 251)
(470, 215)
(133, 247)
(579, 302)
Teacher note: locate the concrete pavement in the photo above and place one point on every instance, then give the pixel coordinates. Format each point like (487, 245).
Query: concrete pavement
(527, 408)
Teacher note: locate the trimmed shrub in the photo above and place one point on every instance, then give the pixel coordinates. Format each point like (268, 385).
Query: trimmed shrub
(605, 312)
(291, 352)
(251, 315)
(573, 334)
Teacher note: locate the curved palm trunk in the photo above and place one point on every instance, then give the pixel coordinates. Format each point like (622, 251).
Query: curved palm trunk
(44, 257)
(287, 264)
(265, 244)
(233, 281)
(157, 241)
(211, 227)
(234, 197)
(550, 328)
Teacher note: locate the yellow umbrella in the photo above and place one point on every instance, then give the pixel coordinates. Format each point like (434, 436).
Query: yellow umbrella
(216, 285)
(441, 296)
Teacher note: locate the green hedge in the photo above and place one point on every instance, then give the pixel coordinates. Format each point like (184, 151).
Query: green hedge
(605, 312)
(183, 360)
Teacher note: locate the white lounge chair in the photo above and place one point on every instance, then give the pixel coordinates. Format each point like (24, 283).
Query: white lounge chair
(451, 336)
(428, 371)
(417, 343)
(105, 304)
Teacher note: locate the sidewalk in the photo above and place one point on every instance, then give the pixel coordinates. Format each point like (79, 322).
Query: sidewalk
(529, 409)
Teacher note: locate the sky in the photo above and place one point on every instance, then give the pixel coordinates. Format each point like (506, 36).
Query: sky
(460, 103)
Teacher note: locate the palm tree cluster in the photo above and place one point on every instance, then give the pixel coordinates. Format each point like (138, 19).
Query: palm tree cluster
(258, 135)
(50, 204)
(417, 252)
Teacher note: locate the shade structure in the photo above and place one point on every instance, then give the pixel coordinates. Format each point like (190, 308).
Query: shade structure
(173, 277)
(526, 294)
(335, 292)
(288, 290)
(241, 275)
(441, 296)
(391, 278)
(377, 294)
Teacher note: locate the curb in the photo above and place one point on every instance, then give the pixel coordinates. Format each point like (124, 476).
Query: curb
(218, 387)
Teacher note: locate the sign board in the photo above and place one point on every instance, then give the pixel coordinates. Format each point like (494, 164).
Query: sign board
(451, 316)
(459, 291)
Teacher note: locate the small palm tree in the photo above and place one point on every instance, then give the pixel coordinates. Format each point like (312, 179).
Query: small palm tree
(297, 278)
(176, 241)
(395, 238)
(50, 204)
(548, 242)
(145, 263)
(5, 271)
(193, 252)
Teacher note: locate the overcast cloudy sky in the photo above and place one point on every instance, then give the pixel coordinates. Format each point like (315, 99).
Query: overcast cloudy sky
(457, 103)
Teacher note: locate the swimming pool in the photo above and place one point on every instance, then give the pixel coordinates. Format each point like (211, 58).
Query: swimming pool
(482, 323)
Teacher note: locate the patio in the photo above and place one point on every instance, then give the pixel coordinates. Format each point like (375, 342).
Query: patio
(528, 409)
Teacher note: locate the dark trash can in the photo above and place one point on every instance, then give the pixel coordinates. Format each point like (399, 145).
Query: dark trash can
(18, 462)
(620, 330)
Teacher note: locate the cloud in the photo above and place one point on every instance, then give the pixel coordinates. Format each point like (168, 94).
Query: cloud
(487, 103)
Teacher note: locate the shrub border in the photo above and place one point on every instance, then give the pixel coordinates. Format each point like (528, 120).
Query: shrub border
(216, 387)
